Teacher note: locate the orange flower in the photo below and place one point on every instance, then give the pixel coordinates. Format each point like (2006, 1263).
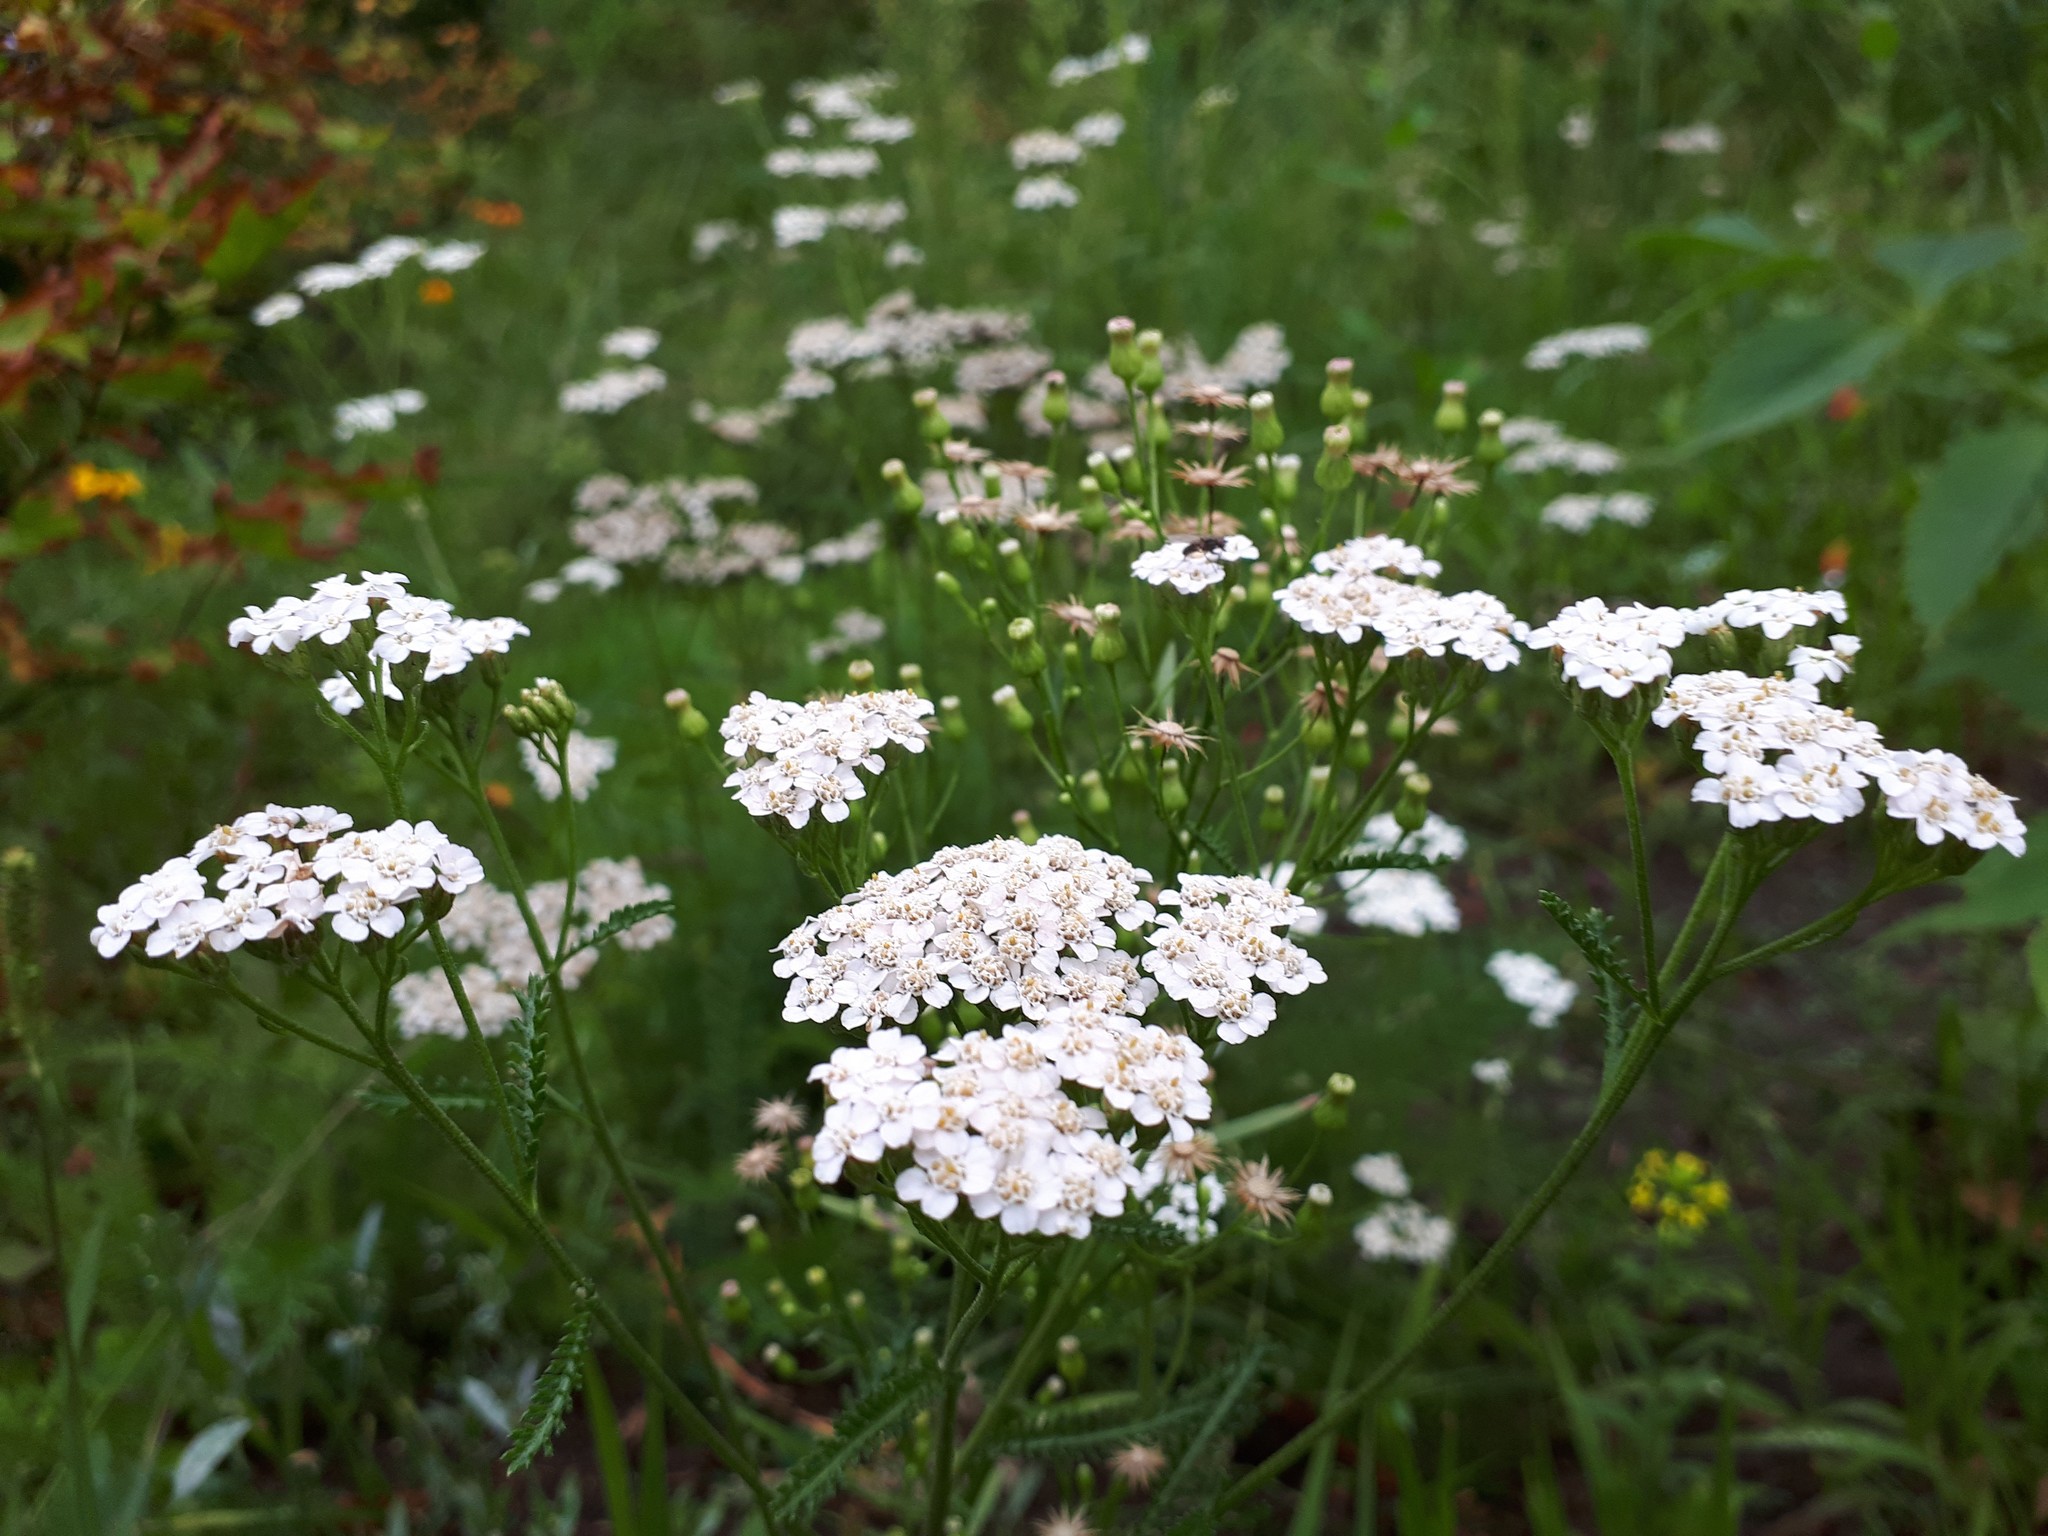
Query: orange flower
(1845, 404)
(90, 483)
(499, 794)
(436, 290)
(497, 215)
(1834, 562)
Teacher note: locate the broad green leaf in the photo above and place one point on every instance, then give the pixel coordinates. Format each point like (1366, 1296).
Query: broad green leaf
(21, 329)
(1983, 499)
(1784, 369)
(1930, 265)
(2002, 645)
(2037, 964)
(249, 237)
(1722, 232)
(207, 1450)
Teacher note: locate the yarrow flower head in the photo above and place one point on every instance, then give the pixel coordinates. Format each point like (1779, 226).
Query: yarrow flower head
(1595, 341)
(1406, 1232)
(283, 869)
(404, 638)
(798, 758)
(1532, 982)
(1190, 566)
(1230, 933)
(588, 758)
(1351, 589)
(1613, 650)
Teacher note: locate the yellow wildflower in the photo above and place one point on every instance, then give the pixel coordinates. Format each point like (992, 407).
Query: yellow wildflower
(1678, 1192)
(91, 483)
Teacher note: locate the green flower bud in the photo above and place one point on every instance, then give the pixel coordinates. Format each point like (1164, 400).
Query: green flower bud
(1361, 408)
(1016, 569)
(779, 1360)
(946, 582)
(1070, 658)
(752, 1233)
(689, 718)
(1124, 361)
(952, 723)
(1026, 654)
(1260, 591)
(1319, 781)
(819, 1281)
(1104, 472)
(1094, 511)
(1490, 449)
(1333, 469)
(1026, 832)
(1273, 814)
(1109, 646)
(1130, 470)
(1073, 1365)
(1412, 809)
(1336, 397)
(932, 425)
(733, 1303)
(1267, 433)
(1151, 368)
(861, 673)
(991, 610)
(1094, 793)
(961, 543)
(1450, 411)
(1173, 794)
(1287, 479)
(1334, 1107)
(878, 842)
(1015, 715)
(905, 495)
(1358, 747)
(803, 1190)
(1318, 731)
(1057, 406)
(910, 675)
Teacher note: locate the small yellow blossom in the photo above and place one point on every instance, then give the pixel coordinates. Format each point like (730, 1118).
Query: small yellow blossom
(1678, 1192)
(91, 483)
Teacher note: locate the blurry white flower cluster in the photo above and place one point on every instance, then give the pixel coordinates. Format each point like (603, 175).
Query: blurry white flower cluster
(632, 342)
(1532, 982)
(1040, 148)
(1410, 902)
(611, 391)
(396, 627)
(1401, 1230)
(896, 334)
(851, 629)
(799, 758)
(1575, 512)
(840, 163)
(283, 868)
(486, 922)
(1594, 341)
(1131, 48)
(1540, 445)
(1349, 590)
(376, 413)
(378, 260)
(1192, 565)
(588, 759)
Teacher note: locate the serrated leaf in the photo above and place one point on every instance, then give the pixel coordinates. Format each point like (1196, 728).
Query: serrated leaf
(553, 1393)
(204, 1453)
(1188, 1456)
(620, 921)
(1075, 1431)
(397, 1103)
(1387, 860)
(1620, 999)
(526, 1062)
(1785, 368)
(1930, 265)
(859, 1429)
(1981, 501)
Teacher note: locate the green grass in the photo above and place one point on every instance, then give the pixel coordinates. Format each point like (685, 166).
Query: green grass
(1859, 1347)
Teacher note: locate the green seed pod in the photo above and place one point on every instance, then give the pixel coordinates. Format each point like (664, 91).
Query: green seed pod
(690, 719)
(1104, 471)
(1450, 411)
(1361, 409)
(1173, 794)
(1267, 433)
(1124, 360)
(910, 675)
(905, 496)
(946, 582)
(733, 1304)
(1336, 396)
(1158, 427)
(751, 1232)
(1026, 654)
(1273, 814)
(1093, 509)
(961, 543)
(1287, 479)
(861, 673)
(1108, 646)
(1318, 733)
(1333, 469)
(1412, 809)
(1151, 368)
(1016, 569)
(1260, 590)
(1073, 1365)
(1057, 405)
(1490, 449)
(1358, 747)
(1334, 1107)
(1015, 715)
(932, 425)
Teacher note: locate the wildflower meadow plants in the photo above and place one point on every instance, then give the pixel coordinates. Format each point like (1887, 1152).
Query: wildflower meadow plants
(1233, 675)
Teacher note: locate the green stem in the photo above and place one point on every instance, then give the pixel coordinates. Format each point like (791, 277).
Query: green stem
(1625, 766)
(475, 1032)
(274, 1020)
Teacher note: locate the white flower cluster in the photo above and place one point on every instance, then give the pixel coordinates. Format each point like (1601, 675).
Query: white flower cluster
(797, 758)
(376, 413)
(1191, 1209)
(1384, 1174)
(850, 98)
(1255, 359)
(1595, 341)
(1495, 1072)
(632, 342)
(1230, 933)
(676, 521)
(1539, 445)
(398, 626)
(839, 163)
(851, 629)
(1043, 147)
(1406, 1232)
(714, 235)
(1777, 611)
(1615, 650)
(378, 260)
(1577, 511)
(1190, 566)
(1346, 593)
(804, 224)
(589, 759)
(1131, 48)
(283, 868)
(895, 334)
(1778, 753)
(993, 369)
(611, 391)
(486, 922)
(1410, 902)
(1692, 139)
(1532, 982)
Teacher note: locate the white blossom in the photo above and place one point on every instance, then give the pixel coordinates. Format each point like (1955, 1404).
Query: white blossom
(1410, 902)
(612, 390)
(1045, 146)
(1406, 1232)
(1191, 565)
(1615, 650)
(1575, 512)
(1383, 1173)
(588, 759)
(798, 758)
(1594, 341)
(1131, 48)
(277, 309)
(376, 413)
(1532, 982)
(1035, 194)
(1693, 139)
(632, 342)
(1494, 1072)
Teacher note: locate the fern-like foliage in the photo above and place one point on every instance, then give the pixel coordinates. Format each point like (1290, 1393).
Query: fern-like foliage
(454, 1100)
(1620, 997)
(553, 1393)
(526, 1061)
(1385, 859)
(620, 921)
(861, 1427)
